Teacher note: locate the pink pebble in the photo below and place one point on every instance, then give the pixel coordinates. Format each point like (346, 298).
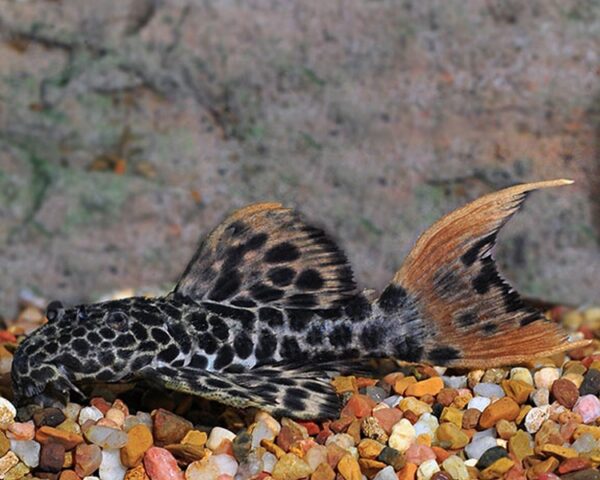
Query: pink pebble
(224, 477)
(21, 431)
(588, 407)
(418, 454)
(160, 464)
(387, 418)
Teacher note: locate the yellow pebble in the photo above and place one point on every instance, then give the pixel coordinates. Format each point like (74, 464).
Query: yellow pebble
(349, 468)
(195, 437)
(497, 469)
(430, 386)
(562, 452)
(452, 415)
(403, 383)
(271, 447)
(344, 384)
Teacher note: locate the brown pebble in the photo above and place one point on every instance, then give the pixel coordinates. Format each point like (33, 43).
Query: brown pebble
(441, 476)
(505, 408)
(49, 416)
(68, 475)
(52, 457)
(50, 434)
(169, 428)
(447, 396)
(87, 459)
(565, 392)
(470, 418)
(411, 416)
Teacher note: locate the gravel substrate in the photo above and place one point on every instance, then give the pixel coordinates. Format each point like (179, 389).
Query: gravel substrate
(537, 421)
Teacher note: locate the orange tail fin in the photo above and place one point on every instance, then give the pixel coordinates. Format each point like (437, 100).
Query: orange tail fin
(477, 319)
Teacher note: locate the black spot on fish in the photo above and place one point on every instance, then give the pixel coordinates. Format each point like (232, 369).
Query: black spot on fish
(233, 257)
(243, 345)
(224, 357)
(226, 286)
(141, 361)
(309, 279)
(392, 299)
(443, 354)
(299, 319)
(208, 343)
(340, 336)
(199, 361)
(81, 346)
(256, 241)
(272, 316)
(160, 335)
(372, 336)
(290, 348)
(237, 228)
(106, 357)
(125, 340)
(408, 348)
(467, 319)
(315, 335)
(487, 277)
(218, 327)
(281, 276)
(51, 347)
(140, 332)
(198, 321)
(472, 254)
(489, 328)
(358, 309)
(105, 375)
(79, 332)
(243, 302)
(267, 344)
(282, 252)
(171, 311)
(93, 337)
(264, 293)
(293, 403)
(217, 383)
(530, 318)
(107, 333)
(169, 354)
(148, 346)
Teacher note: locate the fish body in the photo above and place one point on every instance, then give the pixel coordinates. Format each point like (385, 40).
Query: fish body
(267, 310)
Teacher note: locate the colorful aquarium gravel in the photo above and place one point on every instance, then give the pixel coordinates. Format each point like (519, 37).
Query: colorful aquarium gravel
(536, 421)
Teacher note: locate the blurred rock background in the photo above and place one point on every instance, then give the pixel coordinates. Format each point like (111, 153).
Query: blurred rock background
(129, 128)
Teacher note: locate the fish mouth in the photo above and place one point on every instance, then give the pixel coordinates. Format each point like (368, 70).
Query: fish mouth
(55, 391)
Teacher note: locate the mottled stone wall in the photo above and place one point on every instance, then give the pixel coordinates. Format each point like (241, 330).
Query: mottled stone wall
(128, 128)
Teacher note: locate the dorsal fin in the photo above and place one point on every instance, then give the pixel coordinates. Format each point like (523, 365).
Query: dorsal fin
(473, 316)
(266, 254)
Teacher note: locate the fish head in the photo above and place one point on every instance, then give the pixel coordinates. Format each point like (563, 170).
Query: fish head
(92, 343)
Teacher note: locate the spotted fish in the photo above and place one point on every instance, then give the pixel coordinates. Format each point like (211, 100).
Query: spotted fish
(267, 311)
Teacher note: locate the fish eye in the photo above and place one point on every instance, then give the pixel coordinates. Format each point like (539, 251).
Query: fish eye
(117, 320)
(53, 309)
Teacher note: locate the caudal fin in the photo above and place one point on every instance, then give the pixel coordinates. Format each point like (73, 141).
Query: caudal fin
(472, 316)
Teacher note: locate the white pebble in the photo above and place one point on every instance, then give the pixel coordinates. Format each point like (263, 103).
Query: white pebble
(403, 435)
(342, 440)
(521, 373)
(386, 474)
(489, 390)
(455, 466)
(7, 412)
(224, 464)
(428, 424)
(72, 410)
(315, 456)
(89, 413)
(27, 450)
(111, 467)
(545, 377)
(540, 397)
(479, 403)
(427, 469)
(477, 448)
(392, 401)
(455, 382)
(535, 417)
(262, 431)
(217, 435)
(489, 432)
(269, 461)
(106, 437)
(585, 443)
